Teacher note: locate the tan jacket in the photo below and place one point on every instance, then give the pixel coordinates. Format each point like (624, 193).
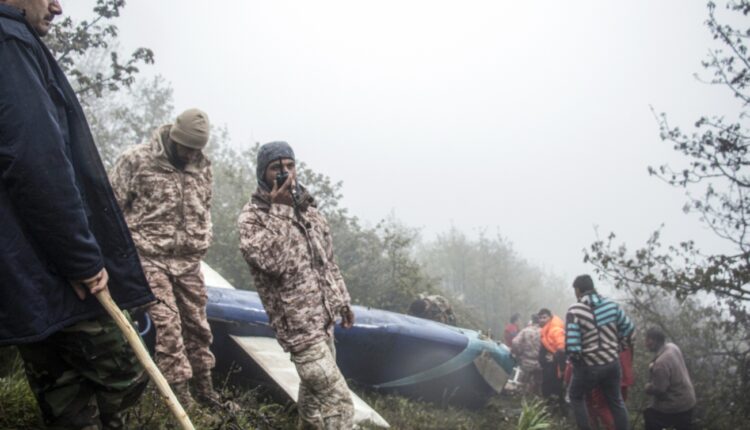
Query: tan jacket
(291, 260)
(168, 210)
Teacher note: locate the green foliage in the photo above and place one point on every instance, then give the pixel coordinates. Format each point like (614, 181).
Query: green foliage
(234, 182)
(256, 412)
(709, 352)
(403, 413)
(129, 116)
(121, 110)
(18, 409)
(490, 280)
(377, 263)
(702, 299)
(534, 416)
(71, 41)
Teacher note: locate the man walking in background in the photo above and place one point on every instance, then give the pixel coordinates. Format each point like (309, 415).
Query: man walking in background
(552, 357)
(596, 329)
(287, 244)
(62, 239)
(164, 188)
(669, 385)
(525, 347)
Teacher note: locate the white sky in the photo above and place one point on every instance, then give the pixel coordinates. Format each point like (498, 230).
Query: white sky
(530, 118)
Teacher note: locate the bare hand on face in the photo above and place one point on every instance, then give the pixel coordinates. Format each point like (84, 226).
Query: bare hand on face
(95, 284)
(347, 317)
(283, 194)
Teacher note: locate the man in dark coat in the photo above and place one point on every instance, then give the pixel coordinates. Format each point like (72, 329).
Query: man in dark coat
(62, 236)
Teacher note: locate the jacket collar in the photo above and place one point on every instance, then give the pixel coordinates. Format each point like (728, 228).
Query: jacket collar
(591, 299)
(11, 12)
(659, 352)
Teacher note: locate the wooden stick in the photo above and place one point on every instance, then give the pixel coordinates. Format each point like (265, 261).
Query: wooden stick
(143, 356)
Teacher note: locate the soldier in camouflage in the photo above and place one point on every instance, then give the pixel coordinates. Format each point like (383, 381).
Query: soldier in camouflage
(164, 189)
(525, 348)
(433, 307)
(287, 244)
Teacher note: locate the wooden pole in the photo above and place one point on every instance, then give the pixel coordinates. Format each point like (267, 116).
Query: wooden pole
(143, 356)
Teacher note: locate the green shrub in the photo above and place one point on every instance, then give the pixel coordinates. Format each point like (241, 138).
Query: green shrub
(534, 416)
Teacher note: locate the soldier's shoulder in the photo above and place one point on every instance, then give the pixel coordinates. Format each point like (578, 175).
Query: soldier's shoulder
(135, 153)
(317, 216)
(252, 213)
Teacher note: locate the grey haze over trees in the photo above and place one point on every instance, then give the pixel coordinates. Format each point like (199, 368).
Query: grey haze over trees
(72, 41)
(382, 264)
(491, 279)
(120, 109)
(701, 298)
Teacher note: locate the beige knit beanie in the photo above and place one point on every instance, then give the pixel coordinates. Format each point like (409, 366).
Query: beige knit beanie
(191, 129)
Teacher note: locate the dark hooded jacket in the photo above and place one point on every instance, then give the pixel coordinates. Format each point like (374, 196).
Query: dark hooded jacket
(59, 219)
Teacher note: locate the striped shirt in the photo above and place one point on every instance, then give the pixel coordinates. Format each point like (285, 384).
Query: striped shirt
(594, 329)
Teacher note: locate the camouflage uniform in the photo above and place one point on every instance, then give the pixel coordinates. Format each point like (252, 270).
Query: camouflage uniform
(290, 254)
(525, 348)
(168, 212)
(437, 308)
(84, 375)
(324, 401)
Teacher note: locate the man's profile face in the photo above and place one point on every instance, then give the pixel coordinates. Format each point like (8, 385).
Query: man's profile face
(39, 13)
(651, 344)
(544, 319)
(274, 168)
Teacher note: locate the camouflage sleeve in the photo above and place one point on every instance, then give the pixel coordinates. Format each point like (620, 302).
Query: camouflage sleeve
(121, 178)
(335, 267)
(262, 239)
(210, 193)
(517, 344)
(209, 199)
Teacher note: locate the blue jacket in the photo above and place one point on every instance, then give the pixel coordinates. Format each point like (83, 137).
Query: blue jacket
(59, 219)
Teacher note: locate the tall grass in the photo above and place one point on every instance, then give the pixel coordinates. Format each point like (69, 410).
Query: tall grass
(534, 416)
(18, 409)
(259, 409)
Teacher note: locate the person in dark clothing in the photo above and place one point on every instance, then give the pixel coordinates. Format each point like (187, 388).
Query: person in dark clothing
(552, 358)
(669, 385)
(596, 329)
(63, 238)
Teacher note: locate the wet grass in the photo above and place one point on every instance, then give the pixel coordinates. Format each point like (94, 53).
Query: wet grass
(261, 408)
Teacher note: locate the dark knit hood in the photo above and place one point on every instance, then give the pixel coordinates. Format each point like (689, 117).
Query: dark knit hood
(267, 153)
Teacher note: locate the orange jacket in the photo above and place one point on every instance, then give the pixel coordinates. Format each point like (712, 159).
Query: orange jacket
(553, 335)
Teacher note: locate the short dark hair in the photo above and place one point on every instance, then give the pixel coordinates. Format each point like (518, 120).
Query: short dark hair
(515, 317)
(583, 283)
(544, 311)
(656, 334)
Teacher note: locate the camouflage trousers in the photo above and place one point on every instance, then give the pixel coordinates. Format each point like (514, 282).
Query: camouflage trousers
(531, 379)
(324, 400)
(84, 376)
(183, 336)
